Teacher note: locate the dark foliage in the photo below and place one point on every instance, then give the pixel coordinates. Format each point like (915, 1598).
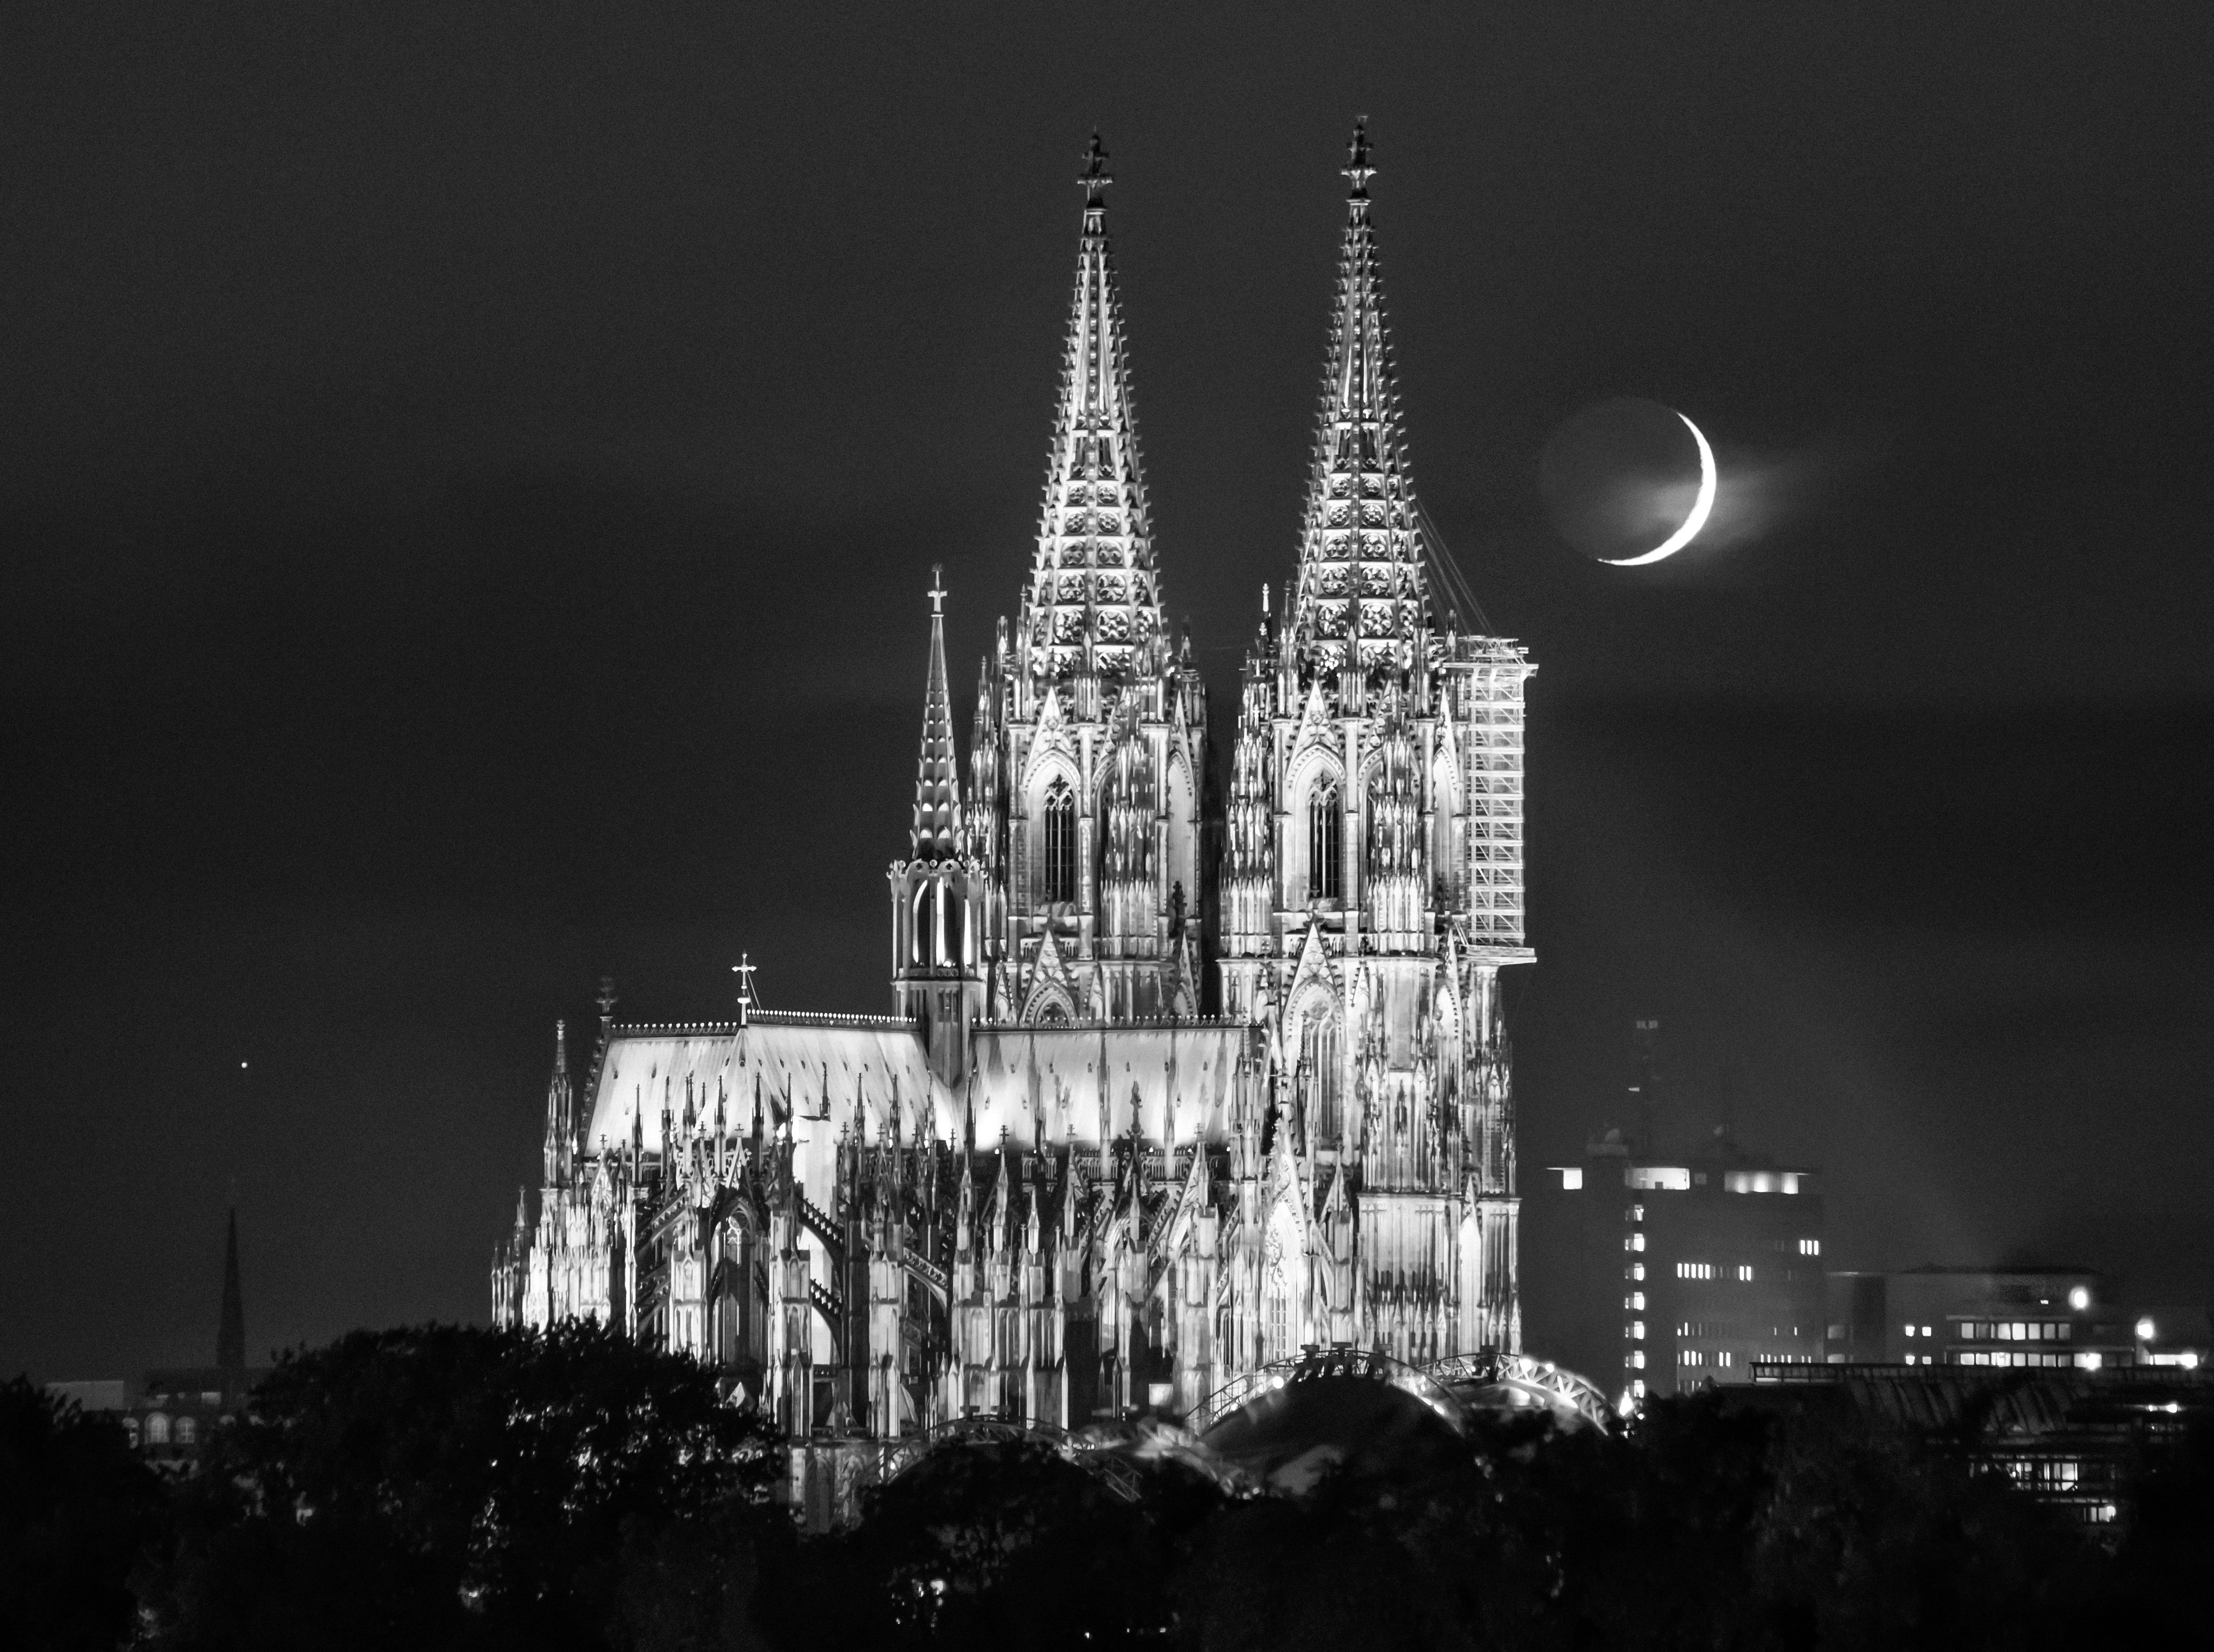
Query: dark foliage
(453, 1487)
(75, 1505)
(2156, 1594)
(1001, 1545)
(1697, 1529)
(442, 1488)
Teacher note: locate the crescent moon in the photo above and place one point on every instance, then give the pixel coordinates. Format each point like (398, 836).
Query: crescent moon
(1692, 524)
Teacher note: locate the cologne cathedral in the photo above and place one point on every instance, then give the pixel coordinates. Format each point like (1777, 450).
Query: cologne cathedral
(1170, 1089)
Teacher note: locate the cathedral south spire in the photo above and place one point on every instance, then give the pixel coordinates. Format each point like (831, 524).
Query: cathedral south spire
(937, 829)
(1361, 598)
(1093, 600)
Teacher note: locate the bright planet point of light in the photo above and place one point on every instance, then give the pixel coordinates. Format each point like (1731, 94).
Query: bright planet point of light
(1700, 508)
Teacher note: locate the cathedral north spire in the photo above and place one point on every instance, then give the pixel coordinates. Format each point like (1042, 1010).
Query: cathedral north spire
(937, 831)
(1093, 600)
(1362, 595)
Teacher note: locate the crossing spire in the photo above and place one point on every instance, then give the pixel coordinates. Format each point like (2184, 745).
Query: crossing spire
(937, 830)
(1362, 598)
(1093, 600)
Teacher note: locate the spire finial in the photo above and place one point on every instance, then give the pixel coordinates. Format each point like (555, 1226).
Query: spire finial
(938, 588)
(1357, 166)
(745, 968)
(1096, 176)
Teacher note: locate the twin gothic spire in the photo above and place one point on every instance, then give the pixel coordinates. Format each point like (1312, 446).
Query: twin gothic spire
(1361, 598)
(1093, 604)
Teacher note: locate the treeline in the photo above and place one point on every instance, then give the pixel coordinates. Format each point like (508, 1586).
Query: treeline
(450, 1488)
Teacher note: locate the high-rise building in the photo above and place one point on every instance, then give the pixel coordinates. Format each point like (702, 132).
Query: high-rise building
(1162, 1099)
(1714, 1258)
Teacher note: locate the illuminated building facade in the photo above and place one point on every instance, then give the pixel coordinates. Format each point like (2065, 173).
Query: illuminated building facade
(1164, 1098)
(1714, 1258)
(2007, 1319)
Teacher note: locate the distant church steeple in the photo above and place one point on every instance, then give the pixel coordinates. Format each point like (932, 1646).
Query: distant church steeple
(230, 1335)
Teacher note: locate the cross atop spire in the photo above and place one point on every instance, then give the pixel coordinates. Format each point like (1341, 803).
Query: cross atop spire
(1362, 596)
(1093, 600)
(1357, 154)
(1096, 176)
(936, 829)
(745, 968)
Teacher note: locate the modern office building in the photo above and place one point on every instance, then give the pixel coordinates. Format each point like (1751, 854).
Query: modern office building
(2029, 1317)
(1694, 1267)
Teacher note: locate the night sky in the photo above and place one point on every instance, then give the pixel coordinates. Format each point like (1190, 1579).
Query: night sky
(468, 478)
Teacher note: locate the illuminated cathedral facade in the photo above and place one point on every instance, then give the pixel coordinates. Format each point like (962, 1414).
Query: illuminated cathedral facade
(1171, 1088)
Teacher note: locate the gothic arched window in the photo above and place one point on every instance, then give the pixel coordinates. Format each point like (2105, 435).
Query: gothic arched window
(1321, 1046)
(1059, 842)
(1323, 875)
(1277, 1316)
